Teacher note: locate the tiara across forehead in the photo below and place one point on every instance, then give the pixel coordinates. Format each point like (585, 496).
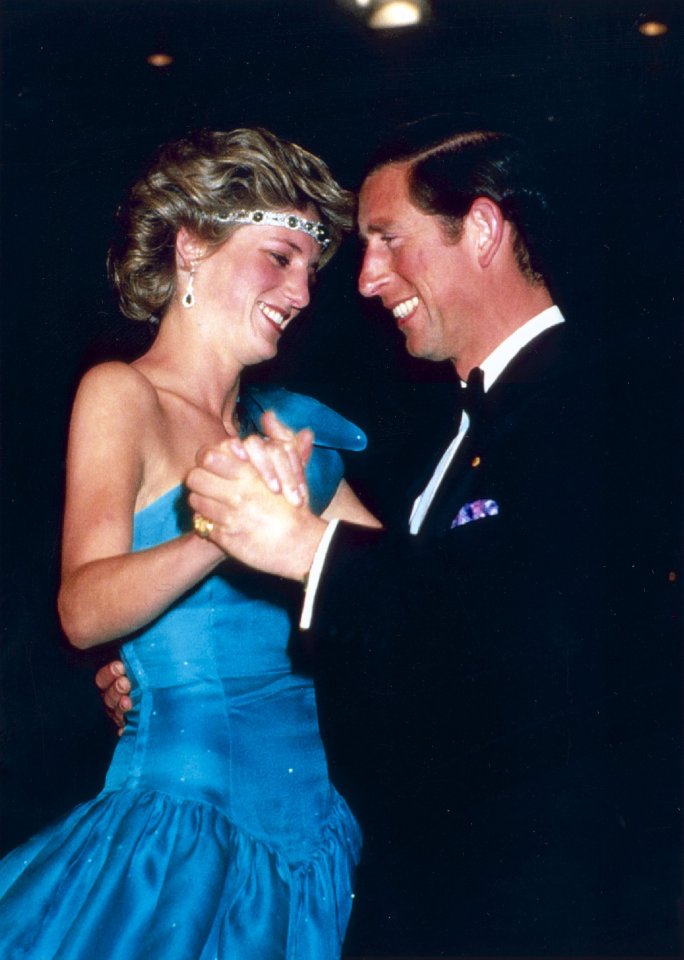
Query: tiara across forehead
(269, 218)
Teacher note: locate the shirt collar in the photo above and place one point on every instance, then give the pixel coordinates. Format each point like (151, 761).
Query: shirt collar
(501, 356)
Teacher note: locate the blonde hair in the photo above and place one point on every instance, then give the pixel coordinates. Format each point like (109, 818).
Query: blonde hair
(207, 173)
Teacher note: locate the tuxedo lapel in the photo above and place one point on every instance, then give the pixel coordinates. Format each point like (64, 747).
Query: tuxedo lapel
(478, 456)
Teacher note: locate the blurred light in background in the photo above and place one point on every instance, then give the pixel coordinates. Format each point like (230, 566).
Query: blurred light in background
(395, 13)
(160, 59)
(652, 28)
(388, 14)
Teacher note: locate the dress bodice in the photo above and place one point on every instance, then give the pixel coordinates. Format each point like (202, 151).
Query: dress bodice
(234, 623)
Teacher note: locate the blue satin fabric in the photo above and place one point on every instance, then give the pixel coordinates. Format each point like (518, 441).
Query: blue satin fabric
(218, 835)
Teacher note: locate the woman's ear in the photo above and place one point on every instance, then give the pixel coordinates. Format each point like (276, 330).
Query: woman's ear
(189, 248)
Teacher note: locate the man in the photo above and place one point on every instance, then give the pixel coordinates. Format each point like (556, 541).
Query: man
(463, 666)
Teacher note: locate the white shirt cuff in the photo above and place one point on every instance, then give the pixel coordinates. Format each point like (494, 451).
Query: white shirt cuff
(315, 575)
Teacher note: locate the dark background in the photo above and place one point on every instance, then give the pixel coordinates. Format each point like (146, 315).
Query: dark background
(82, 111)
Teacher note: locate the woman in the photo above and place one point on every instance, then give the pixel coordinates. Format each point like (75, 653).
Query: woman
(217, 833)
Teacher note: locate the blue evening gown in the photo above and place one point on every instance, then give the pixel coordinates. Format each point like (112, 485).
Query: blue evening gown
(218, 835)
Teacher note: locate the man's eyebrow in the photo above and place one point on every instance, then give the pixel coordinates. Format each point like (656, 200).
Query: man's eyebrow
(381, 226)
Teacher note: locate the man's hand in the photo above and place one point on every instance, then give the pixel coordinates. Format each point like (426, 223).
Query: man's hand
(252, 522)
(114, 687)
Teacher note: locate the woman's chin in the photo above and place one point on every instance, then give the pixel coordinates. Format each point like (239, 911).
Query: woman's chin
(266, 351)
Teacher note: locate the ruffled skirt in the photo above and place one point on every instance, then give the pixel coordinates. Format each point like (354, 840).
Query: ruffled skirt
(133, 875)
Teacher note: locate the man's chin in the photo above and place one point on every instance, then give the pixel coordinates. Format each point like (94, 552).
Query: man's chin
(419, 350)
(412, 344)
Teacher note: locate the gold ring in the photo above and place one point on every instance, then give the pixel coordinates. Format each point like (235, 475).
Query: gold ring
(202, 526)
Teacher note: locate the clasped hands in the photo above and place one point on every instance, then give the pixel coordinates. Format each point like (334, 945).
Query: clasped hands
(254, 496)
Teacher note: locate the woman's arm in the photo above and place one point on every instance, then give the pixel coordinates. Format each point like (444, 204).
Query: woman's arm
(106, 591)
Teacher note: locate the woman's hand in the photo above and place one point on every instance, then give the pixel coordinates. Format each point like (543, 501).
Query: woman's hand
(279, 457)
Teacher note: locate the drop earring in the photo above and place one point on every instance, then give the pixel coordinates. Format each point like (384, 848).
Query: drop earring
(189, 295)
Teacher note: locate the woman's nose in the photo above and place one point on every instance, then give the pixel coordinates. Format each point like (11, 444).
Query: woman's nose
(298, 289)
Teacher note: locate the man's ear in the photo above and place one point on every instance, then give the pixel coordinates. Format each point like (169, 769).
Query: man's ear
(487, 226)
(189, 248)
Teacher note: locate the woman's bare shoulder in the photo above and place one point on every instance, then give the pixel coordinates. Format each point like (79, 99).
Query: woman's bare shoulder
(119, 387)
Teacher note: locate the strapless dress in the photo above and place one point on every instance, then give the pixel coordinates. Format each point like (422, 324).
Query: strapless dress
(218, 835)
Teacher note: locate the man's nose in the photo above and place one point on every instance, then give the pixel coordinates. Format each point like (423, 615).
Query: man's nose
(373, 274)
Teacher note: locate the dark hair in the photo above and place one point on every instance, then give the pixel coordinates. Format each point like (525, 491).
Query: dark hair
(206, 173)
(448, 171)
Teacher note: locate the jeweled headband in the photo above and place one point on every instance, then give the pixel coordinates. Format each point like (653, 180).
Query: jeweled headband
(267, 218)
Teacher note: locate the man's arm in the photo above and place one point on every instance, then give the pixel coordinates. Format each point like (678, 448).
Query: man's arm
(373, 585)
(523, 552)
(114, 687)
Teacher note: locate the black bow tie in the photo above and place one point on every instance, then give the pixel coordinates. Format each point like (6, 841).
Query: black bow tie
(473, 393)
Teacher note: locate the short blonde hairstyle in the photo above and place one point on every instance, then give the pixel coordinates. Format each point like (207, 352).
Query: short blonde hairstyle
(192, 180)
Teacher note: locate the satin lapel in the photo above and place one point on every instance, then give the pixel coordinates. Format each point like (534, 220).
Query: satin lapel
(456, 484)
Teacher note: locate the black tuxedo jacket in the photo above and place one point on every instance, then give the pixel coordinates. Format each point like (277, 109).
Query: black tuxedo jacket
(465, 682)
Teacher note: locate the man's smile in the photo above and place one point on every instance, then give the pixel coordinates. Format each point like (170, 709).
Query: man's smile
(402, 310)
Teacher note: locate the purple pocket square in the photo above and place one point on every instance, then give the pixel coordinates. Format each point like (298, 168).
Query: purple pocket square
(477, 510)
